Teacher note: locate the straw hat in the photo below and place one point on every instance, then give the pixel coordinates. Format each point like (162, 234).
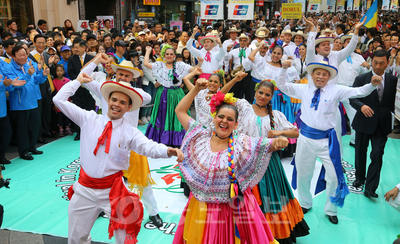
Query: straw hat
(345, 37)
(209, 37)
(327, 30)
(243, 36)
(124, 87)
(286, 32)
(322, 65)
(323, 38)
(262, 32)
(128, 66)
(299, 33)
(215, 33)
(233, 29)
(263, 42)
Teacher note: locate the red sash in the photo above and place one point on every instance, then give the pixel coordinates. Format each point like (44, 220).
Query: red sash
(126, 208)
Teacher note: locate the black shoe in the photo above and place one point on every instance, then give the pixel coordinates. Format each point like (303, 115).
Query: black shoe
(358, 183)
(41, 140)
(103, 214)
(370, 194)
(333, 219)
(26, 156)
(3, 168)
(5, 161)
(157, 221)
(36, 152)
(77, 137)
(352, 144)
(305, 210)
(47, 134)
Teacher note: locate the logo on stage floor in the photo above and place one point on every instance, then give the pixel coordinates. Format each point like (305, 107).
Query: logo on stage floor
(171, 178)
(350, 173)
(240, 10)
(68, 176)
(211, 10)
(167, 228)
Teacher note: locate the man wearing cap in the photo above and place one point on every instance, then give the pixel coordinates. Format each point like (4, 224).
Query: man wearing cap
(230, 43)
(100, 185)
(349, 69)
(92, 43)
(240, 56)
(120, 50)
(319, 101)
(209, 29)
(65, 54)
(293, 50)
(211, 57)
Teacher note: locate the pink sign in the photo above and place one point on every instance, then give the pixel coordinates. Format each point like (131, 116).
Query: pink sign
(175, 23)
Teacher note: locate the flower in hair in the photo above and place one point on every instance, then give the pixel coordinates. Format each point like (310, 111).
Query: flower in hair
(219, 99)
(221, 72)
(164, 49)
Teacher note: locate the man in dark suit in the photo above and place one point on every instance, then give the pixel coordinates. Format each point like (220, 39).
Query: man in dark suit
(82, 97)
(373, 121)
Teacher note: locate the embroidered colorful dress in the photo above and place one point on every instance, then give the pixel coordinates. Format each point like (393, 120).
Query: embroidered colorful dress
(273, 193)
(164, 126)
(203, 114)
(208, 216)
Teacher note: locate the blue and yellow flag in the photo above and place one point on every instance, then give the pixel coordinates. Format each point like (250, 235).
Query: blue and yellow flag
(371, 15)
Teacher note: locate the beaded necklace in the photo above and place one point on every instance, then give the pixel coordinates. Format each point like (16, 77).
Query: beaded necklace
(234, 189)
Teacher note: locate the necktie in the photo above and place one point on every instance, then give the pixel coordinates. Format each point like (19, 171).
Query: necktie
(106, 134)
(81, 58)
(23, 70)
(296, 52)
(315, 99)
(242, 54)
(326, 59)
(349, 60)
(207, 58)
(284, 45)
(380, 90)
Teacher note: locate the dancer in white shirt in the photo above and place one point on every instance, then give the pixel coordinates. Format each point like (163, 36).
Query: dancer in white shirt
(229, 44)
(319, 101)
(100, 186)
(292, 51)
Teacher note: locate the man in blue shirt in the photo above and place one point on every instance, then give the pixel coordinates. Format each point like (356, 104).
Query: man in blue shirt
(23, 101)
(120, 49)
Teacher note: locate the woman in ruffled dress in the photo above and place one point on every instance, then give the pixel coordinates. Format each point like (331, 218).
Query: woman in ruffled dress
(273, 193)
(164, 126)
(221, 168)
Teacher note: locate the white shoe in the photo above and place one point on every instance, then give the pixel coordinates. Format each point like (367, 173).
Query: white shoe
(148, 118)
(144, 120)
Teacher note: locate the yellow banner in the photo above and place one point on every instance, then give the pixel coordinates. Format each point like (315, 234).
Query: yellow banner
(291, 11)
(393, 3)
(368, 4)
(241, 1)
(340, 2)
(314, 2)
(356, 4)
(146, 14)
(151, 2)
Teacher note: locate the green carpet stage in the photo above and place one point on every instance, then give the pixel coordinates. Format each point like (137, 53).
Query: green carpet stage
(37, 201)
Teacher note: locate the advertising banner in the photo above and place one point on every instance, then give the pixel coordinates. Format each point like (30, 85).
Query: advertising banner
(241, 9)
(102, 18)
(356, 5)
(291, 11)
(349, 5)
(393, 4)
(340, 5)
(212, 9)
(385, 4)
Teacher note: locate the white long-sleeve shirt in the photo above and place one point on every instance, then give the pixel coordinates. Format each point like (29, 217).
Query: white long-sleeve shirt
(289, 50)
(124, 138)
(216, 57)
(236, 60)
(324, 117)
(348, 71)
(225, 46)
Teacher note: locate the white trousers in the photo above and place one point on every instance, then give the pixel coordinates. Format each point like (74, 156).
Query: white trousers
(338, 130)
(307, 152)
(351, 112)
(149, 202)
(83, 210)
(395, 203)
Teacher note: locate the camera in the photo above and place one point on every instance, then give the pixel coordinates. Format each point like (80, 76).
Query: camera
(5, 183)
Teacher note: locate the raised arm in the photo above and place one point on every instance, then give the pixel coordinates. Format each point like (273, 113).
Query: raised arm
(196, 53)
(293, 90)
(147, 57)
(199, 64)
(310, 41)
(94, 86)
(188, 77)
(184, 104)
(239, 76)
(252, 56)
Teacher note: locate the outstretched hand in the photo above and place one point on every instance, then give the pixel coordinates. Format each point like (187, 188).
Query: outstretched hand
(177, 153)
(84, 78)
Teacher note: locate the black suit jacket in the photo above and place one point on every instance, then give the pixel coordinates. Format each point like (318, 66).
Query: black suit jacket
(382, 110)
(45, 88)
(82, 96)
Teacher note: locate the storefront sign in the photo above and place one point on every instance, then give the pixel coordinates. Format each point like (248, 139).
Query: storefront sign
(291, 11)
(385, 4)
(241, 9)
(146, 14)
(82, 25)
(259, 3)
(151, 2)
(303, 4)
(212, 9)
(102, 18)
(175, 23)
